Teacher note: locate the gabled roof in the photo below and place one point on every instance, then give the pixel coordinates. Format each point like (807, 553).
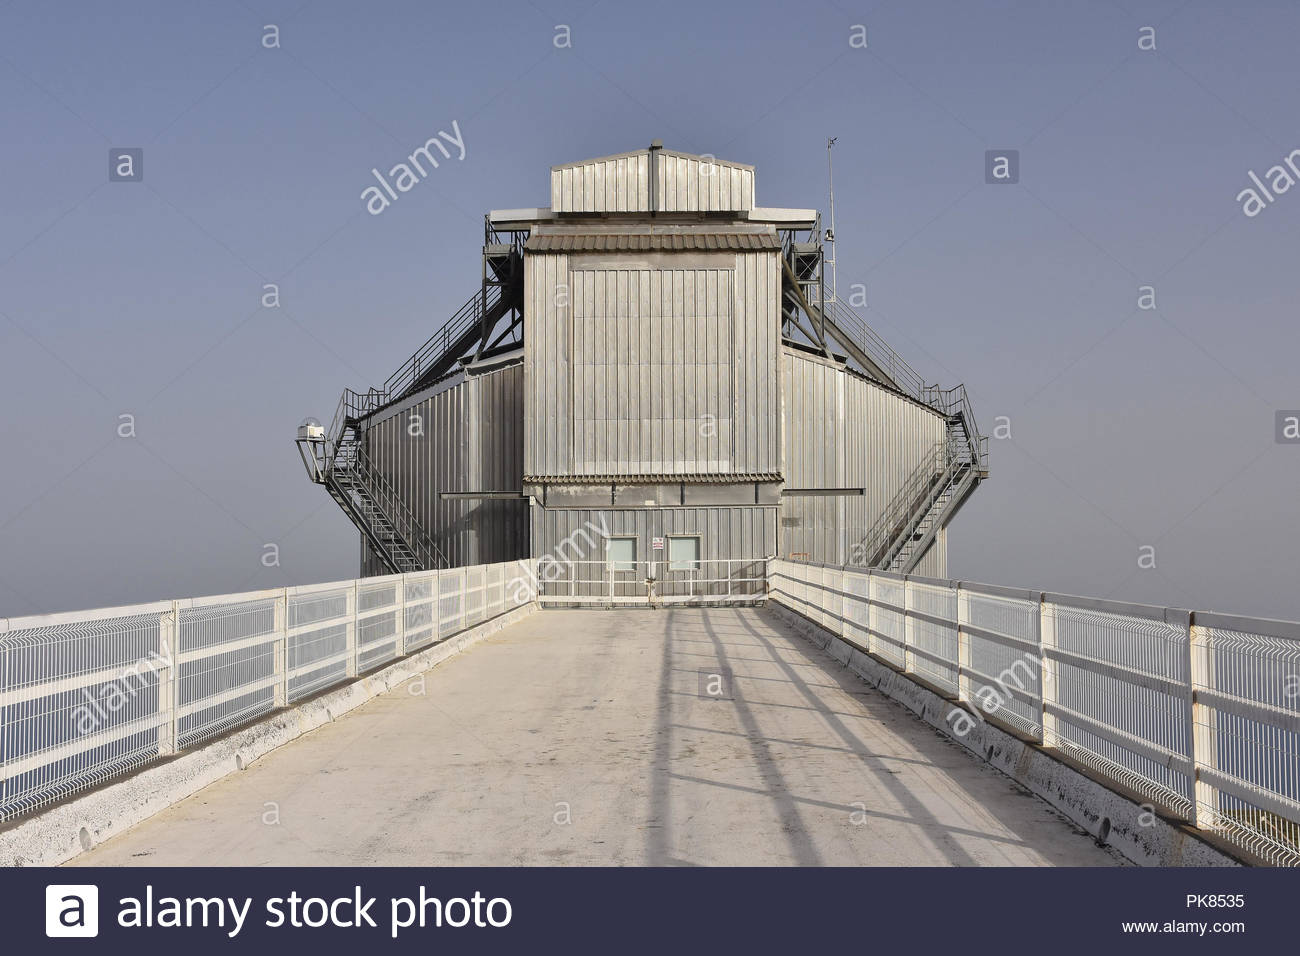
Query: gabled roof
(652, 180)
(698, 157)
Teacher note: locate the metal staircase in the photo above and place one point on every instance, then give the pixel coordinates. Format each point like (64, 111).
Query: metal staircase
(925, 503)
(377, 510)
(946, 477)
(471, 326)
(339, 460)
(931, 496)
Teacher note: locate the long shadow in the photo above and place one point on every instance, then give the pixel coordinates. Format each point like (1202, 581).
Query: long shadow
(659, 834)
(657, 843)
(792, 824)
(914, 807)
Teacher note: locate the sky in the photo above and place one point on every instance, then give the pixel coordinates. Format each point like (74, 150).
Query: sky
(151, 397)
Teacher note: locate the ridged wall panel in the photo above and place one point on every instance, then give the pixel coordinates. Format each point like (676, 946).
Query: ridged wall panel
(466, 438)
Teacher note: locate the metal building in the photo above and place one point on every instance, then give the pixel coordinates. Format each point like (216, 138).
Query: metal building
(651, 391)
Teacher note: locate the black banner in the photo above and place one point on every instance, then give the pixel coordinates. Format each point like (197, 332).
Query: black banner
(651, 910)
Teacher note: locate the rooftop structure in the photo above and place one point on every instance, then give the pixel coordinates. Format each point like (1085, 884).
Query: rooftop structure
(652, 381)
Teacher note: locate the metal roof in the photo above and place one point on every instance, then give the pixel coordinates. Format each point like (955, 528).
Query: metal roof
(679, 154)
(657, 242)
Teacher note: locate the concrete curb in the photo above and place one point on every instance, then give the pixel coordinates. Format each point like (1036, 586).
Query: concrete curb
(62, 832)
(1112, 818)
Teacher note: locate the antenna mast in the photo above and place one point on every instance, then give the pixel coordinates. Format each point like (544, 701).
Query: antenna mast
(830, 233)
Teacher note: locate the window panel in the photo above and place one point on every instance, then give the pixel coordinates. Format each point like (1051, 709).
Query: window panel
(684, 553)
(621, 554)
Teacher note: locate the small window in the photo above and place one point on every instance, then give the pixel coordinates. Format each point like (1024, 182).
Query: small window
(620, 553)
(684, 553)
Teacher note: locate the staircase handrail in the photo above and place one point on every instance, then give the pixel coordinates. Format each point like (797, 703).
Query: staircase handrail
(352, 405)
(467, 316)
(394, 508)
(898, 512)
(909, 381)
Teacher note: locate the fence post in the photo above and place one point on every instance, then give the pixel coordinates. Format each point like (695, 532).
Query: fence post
(352, 631)
(873, 615)
(282, 649)
(821, 595)
(909, 637)
(1045, 626)
(4, 685)
(836, 602)
(1202, 727)
(825, 598)
(168, 681)
(466, 579)
(845, 602)
(828, 598)
(399, 622)
(963, 643)
(436, 585)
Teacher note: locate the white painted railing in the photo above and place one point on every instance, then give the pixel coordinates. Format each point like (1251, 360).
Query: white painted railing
(658, 581)
(1197, 714)
(87, 695)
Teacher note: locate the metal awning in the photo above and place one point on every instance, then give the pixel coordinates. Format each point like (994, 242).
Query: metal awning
(655, 242)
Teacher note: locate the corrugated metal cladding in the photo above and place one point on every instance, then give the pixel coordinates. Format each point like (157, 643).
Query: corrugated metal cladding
(466, 438)
(694, 478)
(736, 533)
(548, 412)
(660, 366)
(683, 183)
(934, 564)
(843, 431)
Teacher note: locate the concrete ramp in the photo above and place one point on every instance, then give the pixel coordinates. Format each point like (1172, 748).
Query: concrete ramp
(686, 736)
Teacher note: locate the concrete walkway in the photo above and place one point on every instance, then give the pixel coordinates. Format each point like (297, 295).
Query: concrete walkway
(583, 737)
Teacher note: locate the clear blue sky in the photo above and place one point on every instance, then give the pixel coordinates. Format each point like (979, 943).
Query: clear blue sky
(1129, 427)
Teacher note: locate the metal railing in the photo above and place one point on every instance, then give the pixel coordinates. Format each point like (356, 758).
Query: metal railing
(1196, 713)
(952, 403)
(652, 582)
(469, 316)
(355, 474)
(895, 525)
(908, 380)
(352, 406)
(88, 695)
(955, 404)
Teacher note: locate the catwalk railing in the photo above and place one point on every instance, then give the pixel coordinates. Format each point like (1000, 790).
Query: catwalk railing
(1196, 714)
(654, 582)
(88, 695)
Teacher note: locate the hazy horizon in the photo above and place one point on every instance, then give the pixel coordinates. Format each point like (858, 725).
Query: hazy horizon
(1138, 419)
